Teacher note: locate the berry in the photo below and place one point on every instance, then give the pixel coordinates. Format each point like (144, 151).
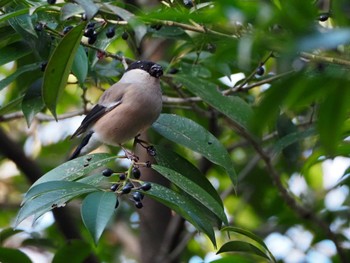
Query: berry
(114, 187)
(173, 71)
(92, 39)
(89, 32)
(122, 176)
(151, 150)
(211, 48)
(91, 25)
(107, 172)
(137, 196)
(127, 188)
(67, 29)
(38, 27)
(323, 17)
(188, 3)
(51, 2)
(146, 186)
(125, 35)
(136, 172)
(156, 26)
(260, 71)
(43, 66)
(138, 205)
(110, 32)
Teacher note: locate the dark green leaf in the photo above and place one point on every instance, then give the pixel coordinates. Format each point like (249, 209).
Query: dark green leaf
(69, 10)
(6, 81)
(59, 67)
(184, 207)
(8, 232)
(167, 158)
(16, 13)
(241, 246)
(80, 65)
(11, 105)
(96, 211)
(193, 136)
(32, 102)
(46, 196)
(13, 52)
(77, 250)
(11, 255)
(90, 8)
(231, 106)
(76, 168)
(332, 114)
(193, 190)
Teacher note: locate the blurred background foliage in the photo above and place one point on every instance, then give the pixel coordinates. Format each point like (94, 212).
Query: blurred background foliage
(270, 79)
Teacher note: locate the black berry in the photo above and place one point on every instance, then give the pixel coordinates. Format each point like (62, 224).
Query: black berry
(107, 172)
(136, 172)
(127, 188)
(92, 39)
(122, 176)
(151, 150)
(260, 71)
(67, 29)
(173, 71)
(110, 32)
(138, 205)
(43, 66)
(323, 17)
(156, 26)
(188, 3)
(125, 35)
(137, 196)
(91, 25)
(89, 32)
(51, 2)
(38, 27)
(114, 187)
(146, 186)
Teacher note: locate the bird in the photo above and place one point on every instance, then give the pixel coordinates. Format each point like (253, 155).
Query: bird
(124, 110)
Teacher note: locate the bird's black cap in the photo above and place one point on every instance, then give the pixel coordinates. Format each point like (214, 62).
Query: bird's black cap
(152, 68)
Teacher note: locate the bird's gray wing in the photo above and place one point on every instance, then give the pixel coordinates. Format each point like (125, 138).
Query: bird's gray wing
(110, 99)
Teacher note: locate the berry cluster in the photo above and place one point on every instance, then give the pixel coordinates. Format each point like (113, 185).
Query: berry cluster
(127, 184)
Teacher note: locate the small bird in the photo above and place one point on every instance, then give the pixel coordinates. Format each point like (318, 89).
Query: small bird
(124, 110)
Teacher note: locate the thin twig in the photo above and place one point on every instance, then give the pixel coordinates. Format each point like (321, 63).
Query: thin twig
(330, 60)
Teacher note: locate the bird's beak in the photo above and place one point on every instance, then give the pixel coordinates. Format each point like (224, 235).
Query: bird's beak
(156, 71)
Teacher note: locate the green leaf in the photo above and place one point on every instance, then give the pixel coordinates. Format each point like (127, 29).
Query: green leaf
(77, 250)
(76, 168)
(48, 195)
(193, 190)
(241, 246)
(32, 102)
(90, 8)
(8, 232)
(10, 255)
(332, 114)
(13, 52)
(11, 105)
(167, 158)
(96, 211)
(193, 136)
(139, 28)
(232, 106)
(69, 10)
(16, 13)
(6, 81)
(184, 207)
(80, 65)
(59, 67)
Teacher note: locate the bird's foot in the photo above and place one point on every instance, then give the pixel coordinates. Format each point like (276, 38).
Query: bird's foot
(150, 149)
